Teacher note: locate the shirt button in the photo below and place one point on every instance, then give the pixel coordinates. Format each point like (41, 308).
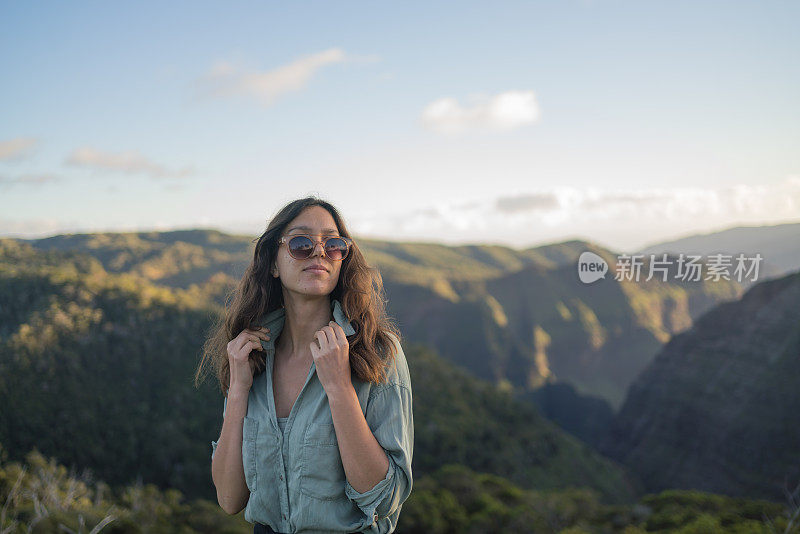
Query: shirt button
(281, 477)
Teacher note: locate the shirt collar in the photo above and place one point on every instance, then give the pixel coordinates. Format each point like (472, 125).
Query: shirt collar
(274, 321)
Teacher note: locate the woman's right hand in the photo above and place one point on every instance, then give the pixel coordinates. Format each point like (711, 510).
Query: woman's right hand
(241, 364)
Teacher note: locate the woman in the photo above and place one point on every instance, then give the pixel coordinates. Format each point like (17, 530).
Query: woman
(317, 432)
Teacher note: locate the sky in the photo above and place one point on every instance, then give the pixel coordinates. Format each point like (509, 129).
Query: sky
(624, 123)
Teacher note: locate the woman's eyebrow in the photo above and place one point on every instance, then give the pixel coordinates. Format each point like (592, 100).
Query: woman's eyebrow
(308, 229)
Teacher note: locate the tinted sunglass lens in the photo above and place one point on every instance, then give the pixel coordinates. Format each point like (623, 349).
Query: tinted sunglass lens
(301, 247)
(335, 248)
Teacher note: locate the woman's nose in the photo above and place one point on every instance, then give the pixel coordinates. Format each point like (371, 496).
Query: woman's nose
(322, 249)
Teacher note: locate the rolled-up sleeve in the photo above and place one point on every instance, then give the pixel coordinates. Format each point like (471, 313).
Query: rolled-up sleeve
(389, 416)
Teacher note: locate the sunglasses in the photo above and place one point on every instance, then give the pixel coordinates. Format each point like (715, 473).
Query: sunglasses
(301, 246)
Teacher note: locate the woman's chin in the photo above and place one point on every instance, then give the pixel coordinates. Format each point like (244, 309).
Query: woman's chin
(316, 289)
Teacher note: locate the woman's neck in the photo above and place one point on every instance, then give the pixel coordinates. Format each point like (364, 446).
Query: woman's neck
(303, 318)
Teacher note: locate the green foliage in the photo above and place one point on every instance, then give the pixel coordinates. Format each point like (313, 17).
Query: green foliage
(691, 511)
(455, 499)
(459, 419)
(39, 496)
(96, 369)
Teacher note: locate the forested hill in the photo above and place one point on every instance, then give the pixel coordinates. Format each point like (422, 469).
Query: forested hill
(96, 370)
(520, 318)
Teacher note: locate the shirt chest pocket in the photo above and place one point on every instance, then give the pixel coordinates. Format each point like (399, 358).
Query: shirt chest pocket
(321, 470)
(249, 434)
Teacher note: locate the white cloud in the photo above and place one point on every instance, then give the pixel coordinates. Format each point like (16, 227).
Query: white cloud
(127, 162)
(225, 79)
(16, 148)
(504, 111)
(623, 218)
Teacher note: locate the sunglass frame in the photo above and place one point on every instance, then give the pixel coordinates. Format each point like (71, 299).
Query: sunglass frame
(347, 241)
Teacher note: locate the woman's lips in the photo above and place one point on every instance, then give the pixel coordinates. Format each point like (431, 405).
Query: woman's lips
(314, 270)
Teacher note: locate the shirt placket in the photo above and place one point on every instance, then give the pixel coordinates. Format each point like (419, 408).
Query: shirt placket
(280, 440)
(284, 483)
(283, 442)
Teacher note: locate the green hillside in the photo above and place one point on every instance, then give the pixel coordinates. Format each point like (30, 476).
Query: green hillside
(459, 419)
(96, 369)
(517, 317)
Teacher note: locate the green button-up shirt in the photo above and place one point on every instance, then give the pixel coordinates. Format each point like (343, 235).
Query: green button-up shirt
(296, 478)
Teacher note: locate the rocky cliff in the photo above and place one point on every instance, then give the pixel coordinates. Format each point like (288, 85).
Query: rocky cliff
(717, 409)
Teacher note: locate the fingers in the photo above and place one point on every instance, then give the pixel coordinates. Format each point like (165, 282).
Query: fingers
(247, 335)
(322, 339)
(338, 331)
(247, 346)
(331, 335)
(241, 341)
(256, 344)
(336, 335)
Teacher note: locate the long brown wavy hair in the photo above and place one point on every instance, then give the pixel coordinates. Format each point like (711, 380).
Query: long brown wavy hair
(359, 289)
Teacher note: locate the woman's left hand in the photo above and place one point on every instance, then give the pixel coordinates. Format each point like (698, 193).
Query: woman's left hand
(332, 358)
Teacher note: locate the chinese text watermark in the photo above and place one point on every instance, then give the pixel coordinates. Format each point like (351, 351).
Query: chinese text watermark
(688, 267)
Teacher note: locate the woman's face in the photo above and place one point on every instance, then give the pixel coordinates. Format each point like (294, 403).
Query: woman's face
(296, 275)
